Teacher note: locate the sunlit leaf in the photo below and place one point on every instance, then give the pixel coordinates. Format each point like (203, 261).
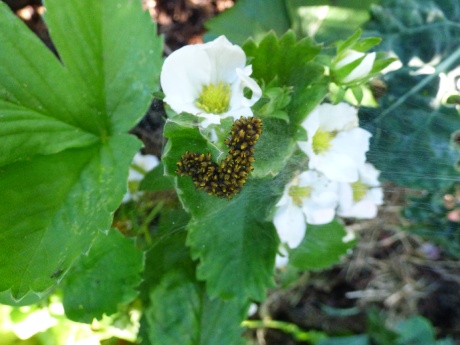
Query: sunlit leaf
(178, 309)
(61, 129)
(103, 279)
(322, 246)
(234, 243)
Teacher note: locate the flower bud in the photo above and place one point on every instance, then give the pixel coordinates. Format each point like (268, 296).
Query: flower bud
(364, 63)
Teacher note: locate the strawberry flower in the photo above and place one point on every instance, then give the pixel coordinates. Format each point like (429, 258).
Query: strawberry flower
(364, 64)
(308, 198)
(361, 198)
(336, 146)
(208, 80)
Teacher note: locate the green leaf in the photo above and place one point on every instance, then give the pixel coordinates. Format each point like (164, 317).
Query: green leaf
(66, 157)
(53, 206)
(322, 247)
(347, 340)
(104, 59)
(42, 112)
(235, 244)
(249, 18)
(196, 319)
(358, 93)
(270, 158)
(103, 279)
(155, 180)
(169, 277)
(287, 62)
(167, 251)
(377, 330)
(416, 330)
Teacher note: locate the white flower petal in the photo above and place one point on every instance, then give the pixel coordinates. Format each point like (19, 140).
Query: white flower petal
(335, 166)
(224, 58)
(369, 175)
(353, 143)
(364, 209)
(362, 70)
(350, 56)
(290, 224)
(311, 123)
(238, 92)
(209, 119)
(281, 261)
(146, 162)
(325, 198)
(340, 117)
(183, 75)
(320, 215)
(376, 195)
(345, 197)
(282, 258)
(311, 126)
(307, 178)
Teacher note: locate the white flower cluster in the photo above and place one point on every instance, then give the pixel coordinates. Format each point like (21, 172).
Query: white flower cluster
(338, 179)
(211, 81)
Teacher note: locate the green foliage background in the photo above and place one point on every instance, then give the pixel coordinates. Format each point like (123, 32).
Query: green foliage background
(65, 158)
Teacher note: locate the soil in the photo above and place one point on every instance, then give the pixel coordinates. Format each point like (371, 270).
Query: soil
(390, 269)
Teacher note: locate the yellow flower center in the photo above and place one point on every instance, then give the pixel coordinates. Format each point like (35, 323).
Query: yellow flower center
(214, 99)
(359, 190)
(322, 141)
(297, 193)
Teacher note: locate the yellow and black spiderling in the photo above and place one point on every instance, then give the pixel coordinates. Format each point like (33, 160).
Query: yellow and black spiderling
(226, 179)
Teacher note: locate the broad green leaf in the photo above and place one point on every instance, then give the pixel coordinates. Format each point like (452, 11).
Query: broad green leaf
(249, 18)
(178, 310)
(270, 157)
(418, 330)
(113, 57)
(322, 247)
(53, 206)
(103, 279)
(182, 313)
(167, 251)
(42, 111)
(377, 330)
(235, 244)
(288, 63)
(65, 158)
(155, 180)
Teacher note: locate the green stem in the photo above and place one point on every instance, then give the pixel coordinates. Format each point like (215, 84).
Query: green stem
(442, 67)
(144, 228)
(286, 327)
